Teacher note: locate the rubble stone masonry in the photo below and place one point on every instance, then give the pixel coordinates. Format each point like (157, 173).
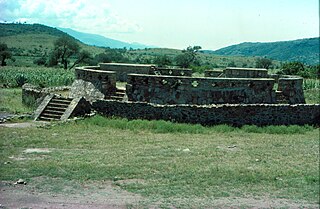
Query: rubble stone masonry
(123, 69)
(187, 90)
(237, 114)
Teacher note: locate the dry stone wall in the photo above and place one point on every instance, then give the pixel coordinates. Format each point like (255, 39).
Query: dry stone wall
(93, 80)
(213, 73)
(291, 89)
(123, 69)
(32, 95)
(237, 115)
(171, 71)
(185, 90)
(231, 72)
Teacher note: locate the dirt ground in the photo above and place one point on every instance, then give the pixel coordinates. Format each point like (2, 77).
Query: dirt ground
(27, 196)
(39, 194)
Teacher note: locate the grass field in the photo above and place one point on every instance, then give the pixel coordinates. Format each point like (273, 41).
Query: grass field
(174, 165)
(10, 101)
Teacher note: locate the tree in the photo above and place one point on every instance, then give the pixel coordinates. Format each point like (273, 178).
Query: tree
(40, 61)
(4, 53)
(110, 55)
(188, 57)
(64, 48)
(53, 59)
(263, 63)
(231, 64)
(292, 68)
(162, 60)
(83, 57)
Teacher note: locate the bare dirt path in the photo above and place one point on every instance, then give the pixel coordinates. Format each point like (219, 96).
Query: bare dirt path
(108, 196)
(27, 196)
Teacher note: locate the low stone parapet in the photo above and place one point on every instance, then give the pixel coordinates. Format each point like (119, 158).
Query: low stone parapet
(234, 72)
(103, 81)
(213, 73)
(237, 115)
(171, 71)
(33, 95)
(123, 69)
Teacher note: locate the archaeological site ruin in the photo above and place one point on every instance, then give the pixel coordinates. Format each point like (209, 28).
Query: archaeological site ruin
(235, 96)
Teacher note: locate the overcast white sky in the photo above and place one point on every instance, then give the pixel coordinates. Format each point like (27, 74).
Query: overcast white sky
(211, 24)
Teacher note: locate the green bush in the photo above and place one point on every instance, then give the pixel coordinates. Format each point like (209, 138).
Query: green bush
(40, 61)
(298, 68)
(20, 79)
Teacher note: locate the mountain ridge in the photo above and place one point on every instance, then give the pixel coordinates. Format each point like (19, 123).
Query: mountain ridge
(304, 50)
(102, 41)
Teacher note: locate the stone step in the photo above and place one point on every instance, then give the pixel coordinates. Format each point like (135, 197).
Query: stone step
(43, 118)
(54, 104)
(55, 109)
(53, 112)
(120, 94)
(118, 98)
(50, 115)
(121, 90)
(64, 101)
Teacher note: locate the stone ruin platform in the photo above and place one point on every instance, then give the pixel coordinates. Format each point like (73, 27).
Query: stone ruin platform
(237, 96)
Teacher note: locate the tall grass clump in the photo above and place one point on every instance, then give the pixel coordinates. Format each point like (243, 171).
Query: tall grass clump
(311, 84)
(155, 126)
(161, 126)
(292, 129)
(223, 128)
(311, 89)
(41, 76)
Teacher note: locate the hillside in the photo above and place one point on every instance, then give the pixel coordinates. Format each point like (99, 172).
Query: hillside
(303, 50)
(34, 39)
(28, 41)
(98, 40)
(12, 29)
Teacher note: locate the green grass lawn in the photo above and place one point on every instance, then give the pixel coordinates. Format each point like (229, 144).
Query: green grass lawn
(10, 101)
(171, 163)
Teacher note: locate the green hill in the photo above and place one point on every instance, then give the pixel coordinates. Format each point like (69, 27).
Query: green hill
(34, 39)
(303, 50)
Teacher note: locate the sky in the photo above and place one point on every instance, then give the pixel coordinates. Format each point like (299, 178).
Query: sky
(211, 24)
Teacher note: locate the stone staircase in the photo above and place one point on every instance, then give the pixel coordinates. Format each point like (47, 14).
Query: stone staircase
(119, 95)
(55, 108)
